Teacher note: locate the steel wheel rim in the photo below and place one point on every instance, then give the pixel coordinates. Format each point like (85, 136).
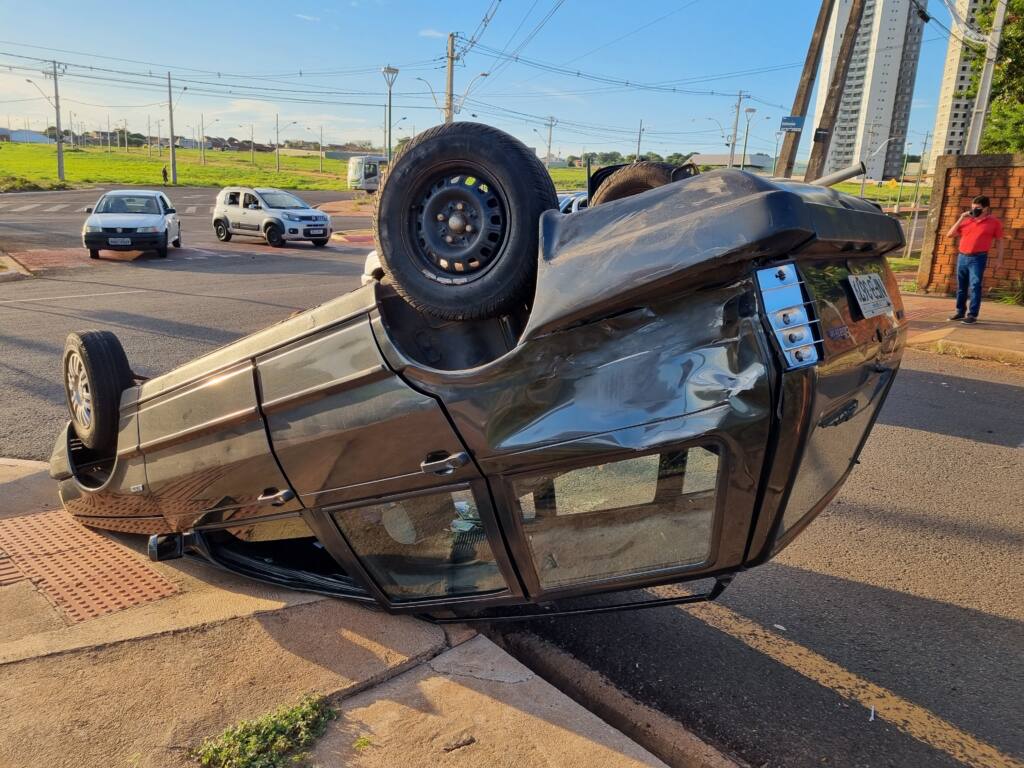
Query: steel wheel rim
(79, 391)
(458, 224)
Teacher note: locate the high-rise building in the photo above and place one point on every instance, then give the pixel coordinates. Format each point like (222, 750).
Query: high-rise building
(875, 107)
(953, 117)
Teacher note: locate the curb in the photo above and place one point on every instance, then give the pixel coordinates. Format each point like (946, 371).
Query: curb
(966, 349)
(664, 737)
(15, 269)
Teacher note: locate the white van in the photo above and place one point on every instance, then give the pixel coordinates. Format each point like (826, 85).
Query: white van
(364, 172)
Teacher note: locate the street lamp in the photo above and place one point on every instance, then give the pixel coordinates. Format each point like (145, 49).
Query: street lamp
(749, 112)
(390, 73)
(202, 137)
(320, 145)
(277, 139)
(469, 87)
(252, 144)
(775, 163)
(434, 96)
(879, 148)
(55, 103)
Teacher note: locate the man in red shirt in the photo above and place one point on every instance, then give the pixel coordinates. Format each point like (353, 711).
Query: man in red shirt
(978, 229)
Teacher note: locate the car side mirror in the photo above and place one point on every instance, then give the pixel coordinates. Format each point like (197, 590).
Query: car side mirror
(172, 210)
(88, 210)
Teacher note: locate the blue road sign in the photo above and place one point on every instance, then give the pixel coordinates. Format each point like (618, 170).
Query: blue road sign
(792, 124)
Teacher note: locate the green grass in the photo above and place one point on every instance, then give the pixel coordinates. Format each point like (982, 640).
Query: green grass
(1014, 294)
(900, 264)
(37, 164)
(886, 195)
(21, 184)
(276, 740)
(569, 178)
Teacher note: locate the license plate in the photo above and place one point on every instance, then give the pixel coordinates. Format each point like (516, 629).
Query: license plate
(872, 297)
(316, 231)
(120, 241)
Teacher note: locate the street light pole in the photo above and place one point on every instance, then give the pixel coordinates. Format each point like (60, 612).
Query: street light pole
(321, 148)
(749, 111)
(639, 134)
(277, 140)
(125, 120)
(149, 136)
(252, 143)
(170, 123)
(390, 73)
(917, 195)
(60, 137)
(735, 129)
(985, 84)
(775, 165)
(202, 139)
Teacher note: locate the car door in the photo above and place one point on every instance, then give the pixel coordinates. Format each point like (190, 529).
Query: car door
(251, 215)
(233, 211)
(380, 461)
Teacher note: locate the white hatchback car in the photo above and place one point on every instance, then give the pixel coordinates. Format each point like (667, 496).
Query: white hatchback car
(131, 220)
(272, 214)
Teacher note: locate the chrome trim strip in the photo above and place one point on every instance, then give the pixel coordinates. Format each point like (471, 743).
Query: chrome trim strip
(239, 417)
(365, 376)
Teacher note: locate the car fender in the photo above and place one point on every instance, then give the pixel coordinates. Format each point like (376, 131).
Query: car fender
(272, 220)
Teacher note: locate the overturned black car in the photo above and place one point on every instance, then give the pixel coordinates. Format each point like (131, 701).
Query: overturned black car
(529, 407)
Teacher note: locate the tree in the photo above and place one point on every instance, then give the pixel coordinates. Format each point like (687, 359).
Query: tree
(402, 142)
(1004, 128)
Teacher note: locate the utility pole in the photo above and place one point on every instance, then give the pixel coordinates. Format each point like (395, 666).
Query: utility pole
(903, 175)
(60, 136)
(252, 143)
(449, 114)
(802, 99)
(149, 136)
(159, 143)
(735, 129)
(639, 134)
(170, 130)
(823, 132)
(321, 148)
(126, 135)
(202, 139)
(917, 196)
(390, 73)
(551, 126)
(985, 83)
(71, 125)
(108, 134)
(277, 140)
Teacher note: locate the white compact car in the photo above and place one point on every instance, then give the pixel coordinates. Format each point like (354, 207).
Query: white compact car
(131, 220)
(272, 214)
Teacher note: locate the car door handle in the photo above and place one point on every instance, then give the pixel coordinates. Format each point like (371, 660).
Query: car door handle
(275, 498)
(444, 465)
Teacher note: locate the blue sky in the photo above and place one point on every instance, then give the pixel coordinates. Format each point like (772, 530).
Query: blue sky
(683, 40)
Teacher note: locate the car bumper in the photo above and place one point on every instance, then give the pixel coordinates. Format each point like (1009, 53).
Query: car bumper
(303, 230)
(137, 241)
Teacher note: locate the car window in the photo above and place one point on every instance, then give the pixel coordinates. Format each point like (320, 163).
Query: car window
(250, 201)
(166, 203)
(128, 204)
(369, 170)
(424, 546)
(282, 200)
(620, 518)
(231, 198)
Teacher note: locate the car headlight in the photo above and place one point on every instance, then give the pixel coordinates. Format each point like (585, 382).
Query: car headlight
(92, 228)
(148, 229)
(289, 216)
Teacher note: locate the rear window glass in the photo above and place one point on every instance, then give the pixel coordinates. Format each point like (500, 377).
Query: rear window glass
(128, 204)
(231, 198)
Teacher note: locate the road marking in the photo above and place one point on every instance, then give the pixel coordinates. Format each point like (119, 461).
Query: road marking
(195, 258)
(71, 296)
(53, 208)
(28, 207)
(910, 718)
(190, 209)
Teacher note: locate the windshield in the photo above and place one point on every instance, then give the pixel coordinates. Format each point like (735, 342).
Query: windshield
(282, 200)
(128, 204)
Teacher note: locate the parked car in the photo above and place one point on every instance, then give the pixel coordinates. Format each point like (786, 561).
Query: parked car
(131, 220)
(272, 214)
(364, 172)
(681, 383)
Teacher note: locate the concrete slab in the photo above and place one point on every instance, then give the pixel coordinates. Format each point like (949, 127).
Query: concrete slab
(472, 705)
(998, 335)
(25, 486)
(146, 702)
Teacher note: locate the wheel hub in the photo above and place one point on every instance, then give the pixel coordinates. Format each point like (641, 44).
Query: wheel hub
(459, 224)
(79, 391)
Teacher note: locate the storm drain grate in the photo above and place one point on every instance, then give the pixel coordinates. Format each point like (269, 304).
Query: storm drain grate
(81, 572)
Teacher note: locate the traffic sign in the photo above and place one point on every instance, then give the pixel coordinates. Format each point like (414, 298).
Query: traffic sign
(792, 124)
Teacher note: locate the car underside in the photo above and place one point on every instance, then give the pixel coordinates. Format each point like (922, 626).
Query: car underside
(687, 383)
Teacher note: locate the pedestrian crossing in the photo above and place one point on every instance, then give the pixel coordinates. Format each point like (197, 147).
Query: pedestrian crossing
(14, 207)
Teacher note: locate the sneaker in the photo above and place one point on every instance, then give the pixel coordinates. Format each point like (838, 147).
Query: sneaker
(969, 319)
(957, 316)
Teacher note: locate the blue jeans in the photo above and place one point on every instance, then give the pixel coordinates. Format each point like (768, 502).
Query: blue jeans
(969, 269)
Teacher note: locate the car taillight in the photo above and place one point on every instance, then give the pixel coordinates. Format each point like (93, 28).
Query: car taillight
(790, 314)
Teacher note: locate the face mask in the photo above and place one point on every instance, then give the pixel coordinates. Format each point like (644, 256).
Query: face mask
(976, 212)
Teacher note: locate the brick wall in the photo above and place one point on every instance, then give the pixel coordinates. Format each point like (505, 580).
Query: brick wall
(958, 178)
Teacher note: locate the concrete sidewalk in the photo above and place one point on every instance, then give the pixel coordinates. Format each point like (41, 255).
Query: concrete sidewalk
(998, 335)
(143, 680)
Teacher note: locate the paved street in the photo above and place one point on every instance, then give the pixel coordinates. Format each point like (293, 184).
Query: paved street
(904, 596)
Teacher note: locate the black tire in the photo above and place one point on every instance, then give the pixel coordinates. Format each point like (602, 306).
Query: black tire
(94, 253)
(177, 241)
(220, 228)
(632, 180)
(487, 267)
(94, 364)
(161, 250)
(274, 237)
(321, 242)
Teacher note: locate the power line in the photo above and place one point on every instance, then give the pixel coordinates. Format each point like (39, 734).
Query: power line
(481, 27)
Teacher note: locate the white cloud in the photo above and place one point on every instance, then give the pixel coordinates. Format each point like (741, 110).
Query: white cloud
(430, 33)
(304, 17)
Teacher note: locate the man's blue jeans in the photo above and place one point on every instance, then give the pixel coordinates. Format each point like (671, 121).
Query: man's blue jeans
(969, 269)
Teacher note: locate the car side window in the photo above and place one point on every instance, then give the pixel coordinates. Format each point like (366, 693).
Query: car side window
(369, 170)
(250, 201)
(231, 198)
(620, 518)
(166, 203)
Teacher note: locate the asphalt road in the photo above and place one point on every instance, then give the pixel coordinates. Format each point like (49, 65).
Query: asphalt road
(905, 595)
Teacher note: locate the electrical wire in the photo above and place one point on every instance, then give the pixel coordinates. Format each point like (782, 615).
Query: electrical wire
(480, 28)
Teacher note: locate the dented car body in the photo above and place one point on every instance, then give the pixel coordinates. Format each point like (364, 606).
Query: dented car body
(695, 378)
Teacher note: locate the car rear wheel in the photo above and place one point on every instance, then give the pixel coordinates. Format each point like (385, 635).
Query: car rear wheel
(320, 243)
(632, 180)
(96, 372)
(457, 219)
(221, 230)
(94, 253)
(275, 239)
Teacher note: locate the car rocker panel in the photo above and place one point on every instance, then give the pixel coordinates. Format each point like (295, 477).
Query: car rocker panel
(689, 424)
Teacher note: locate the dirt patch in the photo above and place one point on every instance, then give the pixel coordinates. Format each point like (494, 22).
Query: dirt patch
(359, 206)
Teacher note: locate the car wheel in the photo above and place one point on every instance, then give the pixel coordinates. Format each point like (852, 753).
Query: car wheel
(632, 180)
(177, 241)
(161, 251)
(456, 221)
(94, 253)
(321, 243)
(274, 237)
(221, 230)
(96, 372)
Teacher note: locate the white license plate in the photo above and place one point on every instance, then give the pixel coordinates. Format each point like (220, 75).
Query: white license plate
(120, 241)
(316, 231)
(872, 297)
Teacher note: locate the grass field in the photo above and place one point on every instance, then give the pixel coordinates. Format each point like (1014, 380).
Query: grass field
(37, 164)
